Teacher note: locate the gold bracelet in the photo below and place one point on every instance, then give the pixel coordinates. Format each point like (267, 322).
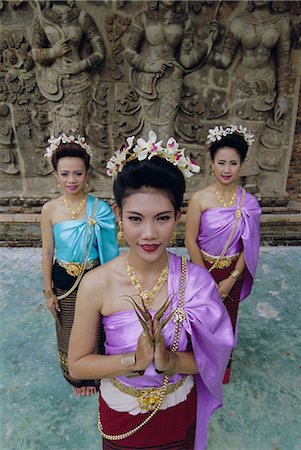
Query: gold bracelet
(172, 367)
(128, 359)
(235, 273)
(47, 294)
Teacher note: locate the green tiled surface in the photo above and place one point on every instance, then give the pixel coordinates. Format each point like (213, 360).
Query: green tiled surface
(262, 403)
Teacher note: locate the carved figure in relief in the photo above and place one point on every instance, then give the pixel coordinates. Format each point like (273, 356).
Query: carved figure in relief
(64, 67)
(161, 46)
(8, 158)
(260, 88)
(262, 74)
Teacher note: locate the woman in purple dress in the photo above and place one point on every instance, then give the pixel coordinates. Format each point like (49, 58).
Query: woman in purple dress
(168, 334)
(222, 222)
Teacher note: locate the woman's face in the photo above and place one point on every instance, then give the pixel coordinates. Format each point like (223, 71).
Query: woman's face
(226, 165)
(148, 219)
(72, 174)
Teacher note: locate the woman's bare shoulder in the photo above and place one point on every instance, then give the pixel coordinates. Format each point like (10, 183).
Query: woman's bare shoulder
(101, 277)
(51, 205)
(203, 196)
(99, 284)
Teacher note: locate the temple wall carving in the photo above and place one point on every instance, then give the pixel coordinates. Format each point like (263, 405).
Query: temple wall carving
(111, 69)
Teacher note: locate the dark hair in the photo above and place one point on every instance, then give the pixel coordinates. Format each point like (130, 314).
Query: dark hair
(70, 149)
(234, 140)
(156, 173)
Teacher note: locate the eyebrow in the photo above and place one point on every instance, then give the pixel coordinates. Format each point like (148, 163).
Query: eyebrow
(76, 170)
(231, 160)
(159, 214)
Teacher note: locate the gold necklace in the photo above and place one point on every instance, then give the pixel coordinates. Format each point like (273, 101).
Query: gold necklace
(223, 202)
(75, 214)
(148, 296)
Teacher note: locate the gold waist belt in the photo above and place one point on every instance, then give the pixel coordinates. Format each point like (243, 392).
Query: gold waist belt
(148, 398)
(223, 262)
(74, 269)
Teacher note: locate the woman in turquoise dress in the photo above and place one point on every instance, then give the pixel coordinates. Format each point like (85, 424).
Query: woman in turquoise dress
(78, 233)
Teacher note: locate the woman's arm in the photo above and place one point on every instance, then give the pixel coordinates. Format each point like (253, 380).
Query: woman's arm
(176, 362)
(47, 258)
(192, 226)
(82, 362)
(225, 286)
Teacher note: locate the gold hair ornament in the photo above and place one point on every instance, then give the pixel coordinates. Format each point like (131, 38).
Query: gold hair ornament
(146, 150)
(217, 133)
(66, 138)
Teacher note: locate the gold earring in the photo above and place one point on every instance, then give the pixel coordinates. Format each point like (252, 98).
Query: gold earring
(173, 236)
(212, 171)
(120, 236)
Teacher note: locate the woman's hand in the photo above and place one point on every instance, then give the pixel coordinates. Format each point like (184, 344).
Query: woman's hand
(53, 305)
(161, 360)
(144, 353)
(225, 286)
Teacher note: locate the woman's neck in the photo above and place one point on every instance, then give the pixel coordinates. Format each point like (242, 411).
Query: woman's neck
(75, 198)
(146, 267)
(225, 188)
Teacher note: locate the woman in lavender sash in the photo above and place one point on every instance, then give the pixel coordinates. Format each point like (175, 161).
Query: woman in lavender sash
(222, 222)
(168, 334)
(78, 233)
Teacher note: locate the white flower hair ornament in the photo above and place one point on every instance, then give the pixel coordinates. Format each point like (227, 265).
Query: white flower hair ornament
(65, 138)
(146, 150)
(217, 133)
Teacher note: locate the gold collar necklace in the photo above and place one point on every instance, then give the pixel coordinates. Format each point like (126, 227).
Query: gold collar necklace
(75, 214)
(223, 202)
(148, 296)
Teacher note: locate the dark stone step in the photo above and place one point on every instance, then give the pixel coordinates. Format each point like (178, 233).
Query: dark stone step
(23, 230)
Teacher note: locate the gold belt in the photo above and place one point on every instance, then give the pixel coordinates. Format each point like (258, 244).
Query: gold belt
(148, 398)
(74, 269)
(225, 261)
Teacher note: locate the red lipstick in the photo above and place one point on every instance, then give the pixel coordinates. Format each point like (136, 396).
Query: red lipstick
(149, 247)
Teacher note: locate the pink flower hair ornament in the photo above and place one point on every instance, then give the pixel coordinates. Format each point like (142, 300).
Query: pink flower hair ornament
(146, 150)
(217, 133)
(65, 138)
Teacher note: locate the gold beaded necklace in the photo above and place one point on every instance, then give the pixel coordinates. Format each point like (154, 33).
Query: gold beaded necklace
(223, 202)
(149, 295)
(75, 214)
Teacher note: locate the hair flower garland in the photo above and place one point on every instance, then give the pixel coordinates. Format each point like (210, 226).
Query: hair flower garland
(65, 138)
(146, 150)
(217, 133)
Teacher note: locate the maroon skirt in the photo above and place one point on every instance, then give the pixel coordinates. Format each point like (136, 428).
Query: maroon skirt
(231, 302)
(171, 428)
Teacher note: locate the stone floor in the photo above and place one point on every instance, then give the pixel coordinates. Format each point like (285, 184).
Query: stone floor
(262, 402)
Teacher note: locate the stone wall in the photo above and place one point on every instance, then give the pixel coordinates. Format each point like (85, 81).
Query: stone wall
(294, 176)
(112, 69)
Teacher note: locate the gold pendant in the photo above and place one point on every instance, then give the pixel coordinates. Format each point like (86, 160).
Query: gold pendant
(148, 295)
(148, 298)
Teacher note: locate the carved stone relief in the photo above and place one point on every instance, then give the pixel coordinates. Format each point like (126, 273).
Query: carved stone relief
(113, 69)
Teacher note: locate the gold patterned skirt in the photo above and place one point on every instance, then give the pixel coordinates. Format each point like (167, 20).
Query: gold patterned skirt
(62, 283)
